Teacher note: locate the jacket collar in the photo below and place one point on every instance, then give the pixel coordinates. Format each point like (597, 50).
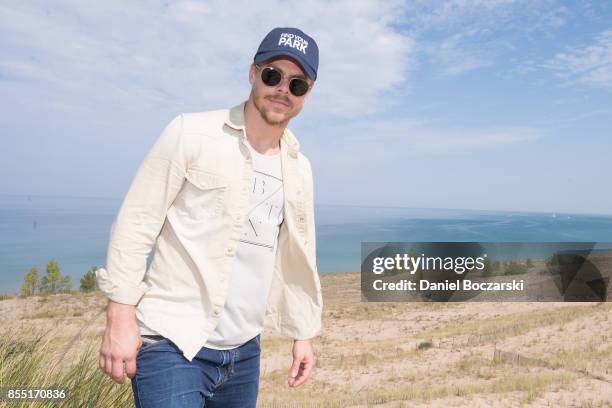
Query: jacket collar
(235, 120)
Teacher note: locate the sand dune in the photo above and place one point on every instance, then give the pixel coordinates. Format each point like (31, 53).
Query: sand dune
(400, 354)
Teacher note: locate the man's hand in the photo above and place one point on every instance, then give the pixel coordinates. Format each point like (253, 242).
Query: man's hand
(303, 361)
(121, 341)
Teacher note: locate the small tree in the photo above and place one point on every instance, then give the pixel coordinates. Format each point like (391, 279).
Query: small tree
(43, 285)
(88, 281)
(30, 282)
(65, 284)
(53, 276)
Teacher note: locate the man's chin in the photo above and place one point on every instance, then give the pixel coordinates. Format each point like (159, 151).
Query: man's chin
(275, 118)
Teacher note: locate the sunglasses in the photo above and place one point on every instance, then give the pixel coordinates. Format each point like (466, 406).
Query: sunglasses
(272, 77)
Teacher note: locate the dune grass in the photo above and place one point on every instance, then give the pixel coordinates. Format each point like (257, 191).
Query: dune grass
(361, 362)
(30, 361)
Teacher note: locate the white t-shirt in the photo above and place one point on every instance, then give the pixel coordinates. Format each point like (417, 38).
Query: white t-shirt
(243, 314)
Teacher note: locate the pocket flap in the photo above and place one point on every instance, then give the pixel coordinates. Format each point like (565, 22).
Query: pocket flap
(205, 180)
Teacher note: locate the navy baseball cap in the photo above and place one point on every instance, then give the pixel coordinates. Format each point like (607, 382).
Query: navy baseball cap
(290, 42)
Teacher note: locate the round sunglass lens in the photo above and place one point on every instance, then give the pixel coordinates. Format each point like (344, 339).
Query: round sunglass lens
(298, 87)
(270, 76)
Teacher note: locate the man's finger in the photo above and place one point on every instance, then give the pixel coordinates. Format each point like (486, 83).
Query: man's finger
(295, 367)
(118, 370)
(304, 373)
(101, 363)
(108, 366)
(130, 367)
(293, 371)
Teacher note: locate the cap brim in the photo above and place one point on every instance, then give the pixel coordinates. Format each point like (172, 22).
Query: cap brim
(268, 55)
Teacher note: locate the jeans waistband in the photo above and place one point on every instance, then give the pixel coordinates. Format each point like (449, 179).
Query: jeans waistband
(153, 336)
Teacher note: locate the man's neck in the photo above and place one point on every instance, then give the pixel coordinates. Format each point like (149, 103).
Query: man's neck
(263, 137)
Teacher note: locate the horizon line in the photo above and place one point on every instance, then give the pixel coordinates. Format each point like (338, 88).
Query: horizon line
(357, 205)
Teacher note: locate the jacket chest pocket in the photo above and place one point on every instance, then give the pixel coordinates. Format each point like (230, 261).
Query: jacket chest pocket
(204, 195)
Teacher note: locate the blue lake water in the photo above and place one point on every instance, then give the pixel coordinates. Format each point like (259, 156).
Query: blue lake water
(74, 232)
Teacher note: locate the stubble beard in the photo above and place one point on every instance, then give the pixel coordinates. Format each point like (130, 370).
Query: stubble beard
(267, 115)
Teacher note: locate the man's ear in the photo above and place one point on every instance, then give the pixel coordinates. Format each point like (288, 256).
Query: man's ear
(308, 93)
(252, 74)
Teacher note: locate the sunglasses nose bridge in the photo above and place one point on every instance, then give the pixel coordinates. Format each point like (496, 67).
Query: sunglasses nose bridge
(283, 85)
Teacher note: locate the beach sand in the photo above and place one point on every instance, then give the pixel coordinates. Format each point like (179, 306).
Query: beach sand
(478, 354)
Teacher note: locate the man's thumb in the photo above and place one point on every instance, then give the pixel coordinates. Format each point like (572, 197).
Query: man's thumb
(294, 367)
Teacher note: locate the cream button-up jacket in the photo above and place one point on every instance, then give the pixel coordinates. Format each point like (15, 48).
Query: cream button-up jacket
(188, 201)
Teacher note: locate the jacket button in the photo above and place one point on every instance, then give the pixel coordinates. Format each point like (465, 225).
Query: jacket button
(217, 311)
(230, 250)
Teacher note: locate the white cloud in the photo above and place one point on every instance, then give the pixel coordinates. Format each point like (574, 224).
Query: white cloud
(453, 140)
(181, 55)
(407, 136)
(516, 14)
(589, 65)
(459, 36)
(454, 54)
(442, 14)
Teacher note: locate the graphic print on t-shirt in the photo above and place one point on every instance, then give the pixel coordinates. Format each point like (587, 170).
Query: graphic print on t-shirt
(267, 209)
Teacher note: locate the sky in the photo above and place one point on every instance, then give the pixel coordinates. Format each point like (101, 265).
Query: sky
(465, 104)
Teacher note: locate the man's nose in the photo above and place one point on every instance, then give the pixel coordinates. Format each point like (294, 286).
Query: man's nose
(283, 86)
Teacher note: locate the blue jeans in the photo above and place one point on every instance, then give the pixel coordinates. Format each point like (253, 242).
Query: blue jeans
(215, 378)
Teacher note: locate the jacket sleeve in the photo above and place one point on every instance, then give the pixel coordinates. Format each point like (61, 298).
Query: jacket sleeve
(312, 244)
(141, 216)
(312, 320)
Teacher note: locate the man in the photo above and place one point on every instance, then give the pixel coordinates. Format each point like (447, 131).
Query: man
(226, 198)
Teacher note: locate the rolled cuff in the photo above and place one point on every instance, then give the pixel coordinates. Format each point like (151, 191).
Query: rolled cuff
(306, 329)
(302, 334)
(119, 290)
